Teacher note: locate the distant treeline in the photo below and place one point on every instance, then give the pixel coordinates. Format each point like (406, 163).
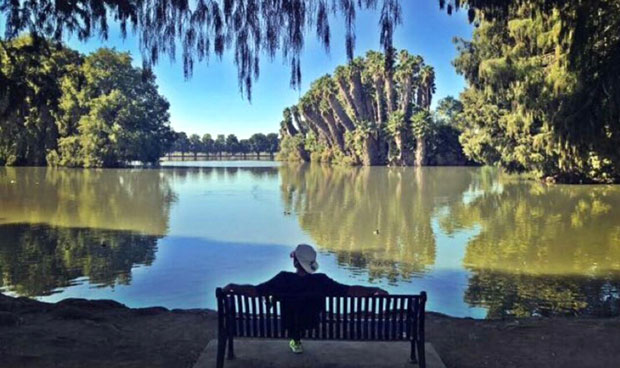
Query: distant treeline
(230, 144)
(61, 108)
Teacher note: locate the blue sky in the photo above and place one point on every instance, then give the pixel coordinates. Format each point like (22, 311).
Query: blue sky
(210, 101)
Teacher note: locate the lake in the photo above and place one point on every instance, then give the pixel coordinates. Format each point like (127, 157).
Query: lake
(482, 244)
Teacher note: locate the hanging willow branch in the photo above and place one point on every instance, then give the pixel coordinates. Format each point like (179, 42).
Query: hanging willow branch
(248, 28)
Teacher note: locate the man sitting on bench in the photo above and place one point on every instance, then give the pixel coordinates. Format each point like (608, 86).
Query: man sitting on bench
(303, 314)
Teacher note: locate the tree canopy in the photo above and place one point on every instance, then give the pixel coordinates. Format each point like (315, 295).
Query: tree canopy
(542, 99)
(66, 109)
(249, 28)
(253, 28)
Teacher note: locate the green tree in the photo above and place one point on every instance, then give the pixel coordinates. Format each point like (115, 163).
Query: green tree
(220, 144)
(245, 147)
(273, 143)
(31, 83)
(232, 144)
(182, 144)
(117, 113)
(259, 143)
(449, 112)
(195, 145)
(543, 90)
(208, 144)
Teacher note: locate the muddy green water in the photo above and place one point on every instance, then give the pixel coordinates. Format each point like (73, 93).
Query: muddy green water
(480, 243)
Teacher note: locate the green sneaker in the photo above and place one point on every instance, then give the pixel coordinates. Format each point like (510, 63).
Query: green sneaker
(296, 347)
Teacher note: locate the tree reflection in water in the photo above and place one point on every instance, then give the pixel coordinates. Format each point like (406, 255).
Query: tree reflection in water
(37, 260)
(539, 250)
(544, 250)
(117, 199)
(59, 225)
(374, 219)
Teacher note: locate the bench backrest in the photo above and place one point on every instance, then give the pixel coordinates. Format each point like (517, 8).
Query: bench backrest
(391, 317)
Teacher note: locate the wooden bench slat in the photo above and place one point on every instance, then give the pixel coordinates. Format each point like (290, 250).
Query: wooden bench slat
(401, 324)
(345, 317)
(386, 306)
(337, 314)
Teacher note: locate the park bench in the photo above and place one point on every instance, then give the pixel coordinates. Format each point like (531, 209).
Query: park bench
(346, 318)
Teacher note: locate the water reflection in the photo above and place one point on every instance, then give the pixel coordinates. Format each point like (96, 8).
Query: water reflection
(373, 218)
(59, 227)
(525, 295)
(182, 175)
(474, 239)
(136, 200)
(536, 249)
(544, 249)
(37, 260)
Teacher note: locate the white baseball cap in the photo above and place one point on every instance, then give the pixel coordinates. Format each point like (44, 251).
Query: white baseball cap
(306, 256)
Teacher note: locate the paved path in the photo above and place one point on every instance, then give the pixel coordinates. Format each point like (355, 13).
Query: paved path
(329, 354)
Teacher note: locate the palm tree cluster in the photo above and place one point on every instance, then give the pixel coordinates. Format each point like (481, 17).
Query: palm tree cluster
(366, 113)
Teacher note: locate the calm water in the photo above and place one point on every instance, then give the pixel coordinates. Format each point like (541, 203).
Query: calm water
(481, 244)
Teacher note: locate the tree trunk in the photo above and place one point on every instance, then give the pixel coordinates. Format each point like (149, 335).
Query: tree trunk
(345, 94)
(297, 121)
(357, 93)
(290, 129)
(407, 157)
(406, 99)
(317, 121)
(334, 131)
(389, 94)
(341, 113)
(420, 151)
(371, 155)
(379, 101)
(305, 156)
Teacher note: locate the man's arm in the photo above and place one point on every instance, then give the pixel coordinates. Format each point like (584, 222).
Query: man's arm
(357, 290)
(249, 290)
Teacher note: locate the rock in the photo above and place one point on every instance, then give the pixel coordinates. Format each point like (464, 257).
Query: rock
(8, 319)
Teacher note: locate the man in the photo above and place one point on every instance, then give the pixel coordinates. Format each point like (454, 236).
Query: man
(303, 314)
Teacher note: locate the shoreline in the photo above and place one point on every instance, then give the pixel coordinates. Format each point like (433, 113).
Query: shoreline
(105, 333)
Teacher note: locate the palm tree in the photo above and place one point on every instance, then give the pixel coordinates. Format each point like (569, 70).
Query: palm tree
(425, 91)
(360, 112)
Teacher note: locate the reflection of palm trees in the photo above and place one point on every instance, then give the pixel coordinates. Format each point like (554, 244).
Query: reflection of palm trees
(376, 219)
(38, 259)
(544, 250)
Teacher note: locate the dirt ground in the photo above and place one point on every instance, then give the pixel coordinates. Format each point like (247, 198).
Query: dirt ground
(82, 333)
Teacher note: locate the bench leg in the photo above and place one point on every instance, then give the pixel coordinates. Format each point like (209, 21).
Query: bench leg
(221, 350)
(421, 354)
(413, 357)
(231, 349)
